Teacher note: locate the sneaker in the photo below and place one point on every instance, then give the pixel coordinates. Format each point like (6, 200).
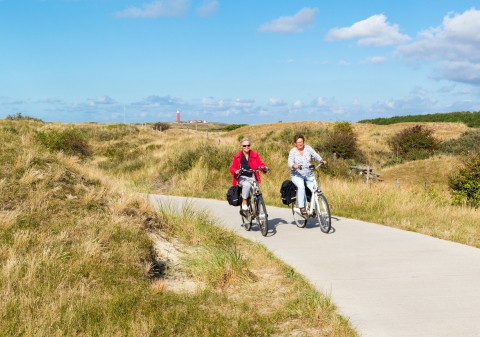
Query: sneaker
(303, 211)
(244, 207)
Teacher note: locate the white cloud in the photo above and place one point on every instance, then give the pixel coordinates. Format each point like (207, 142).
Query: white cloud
(291, 24)
(155, 9)
(373, 31)
(343, 63)
(208, 7)
(297, 104)
(374, 60)
(276, 102)
(102, 100)
(454, 46)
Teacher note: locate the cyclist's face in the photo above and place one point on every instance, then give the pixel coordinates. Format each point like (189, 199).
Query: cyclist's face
(246, 147)
(299, 143)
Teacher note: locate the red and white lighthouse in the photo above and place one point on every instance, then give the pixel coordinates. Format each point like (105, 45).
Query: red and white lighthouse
(178, 116)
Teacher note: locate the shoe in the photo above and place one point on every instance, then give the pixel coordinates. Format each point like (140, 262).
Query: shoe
(244, 207)
(303, 211)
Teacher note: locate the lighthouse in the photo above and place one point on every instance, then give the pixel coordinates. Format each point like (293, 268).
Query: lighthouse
(178, 116)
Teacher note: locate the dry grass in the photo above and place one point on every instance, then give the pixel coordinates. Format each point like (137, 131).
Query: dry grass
(77, 257)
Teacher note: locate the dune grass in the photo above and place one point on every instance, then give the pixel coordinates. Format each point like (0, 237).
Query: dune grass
(77, 255)
(413, 195)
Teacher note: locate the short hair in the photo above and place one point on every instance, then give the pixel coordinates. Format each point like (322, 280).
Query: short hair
(297, 137)
(245, 139)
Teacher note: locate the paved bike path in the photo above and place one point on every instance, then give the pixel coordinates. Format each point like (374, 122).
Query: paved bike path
(387, 282)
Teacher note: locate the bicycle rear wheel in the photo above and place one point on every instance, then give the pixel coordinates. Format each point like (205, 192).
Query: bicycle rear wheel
(323, 213)
(262, 216)
(300, 220)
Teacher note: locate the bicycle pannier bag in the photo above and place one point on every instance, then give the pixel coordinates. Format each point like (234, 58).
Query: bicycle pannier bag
(233, 195)
(288, 192)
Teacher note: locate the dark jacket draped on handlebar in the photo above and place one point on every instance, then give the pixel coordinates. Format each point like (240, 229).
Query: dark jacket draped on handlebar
(253, 160)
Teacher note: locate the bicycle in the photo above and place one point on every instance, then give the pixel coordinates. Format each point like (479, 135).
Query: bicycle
(256, 210)
(317, 207)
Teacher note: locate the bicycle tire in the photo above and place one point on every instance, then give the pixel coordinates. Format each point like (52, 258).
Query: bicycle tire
(300, 220)
(323, 213)
(247, 223)
(262, 215)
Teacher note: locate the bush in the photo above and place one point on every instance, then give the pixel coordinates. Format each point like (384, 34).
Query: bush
(468, 142)
(232, 127)
(19, 116)
(70, 141)
(465, 185)
(413, 143)
(161, 126)
(342, 140)
(214, 158)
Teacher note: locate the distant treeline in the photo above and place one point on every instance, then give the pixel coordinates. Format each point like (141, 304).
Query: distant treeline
(471, 119)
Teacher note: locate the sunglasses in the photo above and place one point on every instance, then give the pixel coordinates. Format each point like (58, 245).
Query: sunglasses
(246, 145)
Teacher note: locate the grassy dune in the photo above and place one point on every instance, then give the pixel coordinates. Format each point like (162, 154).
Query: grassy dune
(82, 256)
(412, 196)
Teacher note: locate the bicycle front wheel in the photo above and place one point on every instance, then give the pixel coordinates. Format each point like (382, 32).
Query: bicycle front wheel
(300, 220)
(323, 213)
(247, 218)
(262, 216)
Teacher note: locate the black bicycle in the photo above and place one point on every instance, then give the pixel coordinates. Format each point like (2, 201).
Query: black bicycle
(256, 206)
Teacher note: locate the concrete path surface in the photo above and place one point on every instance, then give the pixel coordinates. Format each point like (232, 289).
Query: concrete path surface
(387, 282)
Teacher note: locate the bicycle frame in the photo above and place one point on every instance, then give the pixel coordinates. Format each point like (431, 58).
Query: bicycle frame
(256, 208)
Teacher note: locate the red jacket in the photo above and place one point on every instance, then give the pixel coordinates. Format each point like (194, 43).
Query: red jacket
(253, 160)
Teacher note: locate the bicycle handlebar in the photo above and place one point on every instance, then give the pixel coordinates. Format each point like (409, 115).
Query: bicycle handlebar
(262, 168)
(312, 167)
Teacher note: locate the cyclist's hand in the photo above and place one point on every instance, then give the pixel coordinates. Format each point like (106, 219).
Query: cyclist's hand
(265, 169)
(324, 162)
(237, 172)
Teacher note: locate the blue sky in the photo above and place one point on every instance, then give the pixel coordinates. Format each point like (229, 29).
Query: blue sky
(237, 61)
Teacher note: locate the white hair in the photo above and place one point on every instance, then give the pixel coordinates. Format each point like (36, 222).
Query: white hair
(245, 139)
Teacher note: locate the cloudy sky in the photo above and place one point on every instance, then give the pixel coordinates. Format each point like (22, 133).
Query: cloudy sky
(245, 61)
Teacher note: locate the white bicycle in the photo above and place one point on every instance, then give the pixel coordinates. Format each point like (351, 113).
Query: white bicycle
(317, 207)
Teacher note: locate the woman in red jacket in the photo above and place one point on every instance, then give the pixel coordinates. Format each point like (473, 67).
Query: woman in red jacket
(246, 159)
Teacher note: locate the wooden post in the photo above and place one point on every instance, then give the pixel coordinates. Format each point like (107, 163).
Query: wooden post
(425, 186)
(368, 175)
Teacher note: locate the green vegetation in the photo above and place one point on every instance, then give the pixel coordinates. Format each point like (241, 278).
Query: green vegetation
(472, 119)
(413, 143)
(159, 126)
(71, 141)
(466, 182)
(232, 127)
(341, 140)
(20, 116)
(468, 142)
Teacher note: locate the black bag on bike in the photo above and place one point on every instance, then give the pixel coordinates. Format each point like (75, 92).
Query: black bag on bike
(233, 195)
(288, 192)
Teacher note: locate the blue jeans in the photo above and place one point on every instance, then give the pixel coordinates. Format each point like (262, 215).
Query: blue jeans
(299, 180)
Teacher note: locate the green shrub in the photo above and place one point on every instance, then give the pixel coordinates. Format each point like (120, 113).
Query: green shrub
(342, 140)
(71, 141)
(19, 116)
(413, 143)
(286, 135)
(465, 184)
(160, 126)
(468, 142)
(214, 158)
(232, 127)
